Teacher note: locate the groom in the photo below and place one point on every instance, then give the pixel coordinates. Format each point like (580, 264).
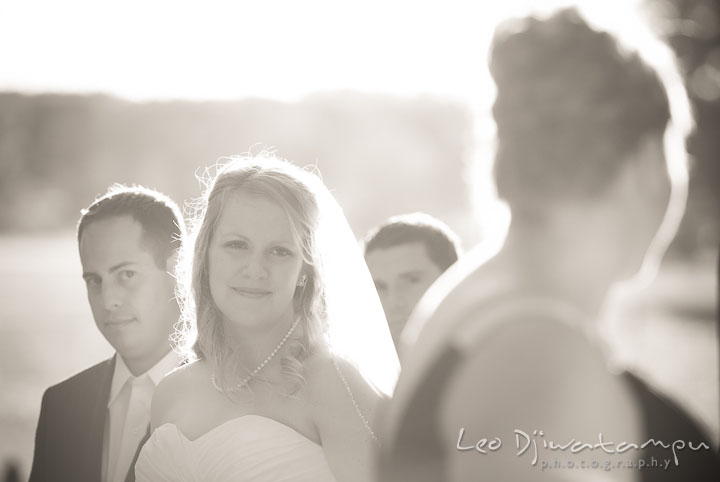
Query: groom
(405, 255)
(92, 425)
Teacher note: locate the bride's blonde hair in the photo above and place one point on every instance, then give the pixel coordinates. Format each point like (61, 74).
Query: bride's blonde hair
(201, 333)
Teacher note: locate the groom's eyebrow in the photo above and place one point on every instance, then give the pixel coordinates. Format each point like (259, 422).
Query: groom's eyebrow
(113, 268)
(121, 265)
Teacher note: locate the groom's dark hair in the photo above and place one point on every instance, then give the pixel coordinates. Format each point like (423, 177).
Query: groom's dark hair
(160, 217)
(441, 243)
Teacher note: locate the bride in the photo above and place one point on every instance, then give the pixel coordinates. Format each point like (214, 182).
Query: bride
(287, 345)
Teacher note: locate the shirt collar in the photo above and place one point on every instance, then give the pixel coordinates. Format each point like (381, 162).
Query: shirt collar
(122, 373)
(166, 364)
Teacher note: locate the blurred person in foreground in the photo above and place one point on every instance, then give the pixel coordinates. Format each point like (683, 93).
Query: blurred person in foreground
(405, 255)
(505, 377)
(288, 348)
(92, 425)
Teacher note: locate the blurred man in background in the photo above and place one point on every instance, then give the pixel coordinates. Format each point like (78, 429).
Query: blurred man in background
(92, 424)
(405, 255)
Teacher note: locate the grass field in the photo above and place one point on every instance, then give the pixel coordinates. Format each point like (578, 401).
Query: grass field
(47, 334)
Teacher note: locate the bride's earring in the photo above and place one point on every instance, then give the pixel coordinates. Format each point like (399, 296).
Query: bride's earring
(302, 280)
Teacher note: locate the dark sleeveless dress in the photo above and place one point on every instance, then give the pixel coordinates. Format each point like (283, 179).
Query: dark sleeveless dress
(416, 446)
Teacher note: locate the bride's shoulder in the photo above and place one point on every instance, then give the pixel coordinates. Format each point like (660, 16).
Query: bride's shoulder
(184, 375)
(317, 367)
(322, 367)
(334, 385)
(174, 389)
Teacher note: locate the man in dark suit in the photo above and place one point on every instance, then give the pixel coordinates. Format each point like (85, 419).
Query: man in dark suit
(92, 425)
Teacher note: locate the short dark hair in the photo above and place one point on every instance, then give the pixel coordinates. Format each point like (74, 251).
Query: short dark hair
(160, 217)
(441, 243)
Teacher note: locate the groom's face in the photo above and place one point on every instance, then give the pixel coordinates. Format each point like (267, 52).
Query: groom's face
(402, 274)
(131, 297)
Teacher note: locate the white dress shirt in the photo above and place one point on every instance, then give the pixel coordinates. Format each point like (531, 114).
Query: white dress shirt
(128, 418)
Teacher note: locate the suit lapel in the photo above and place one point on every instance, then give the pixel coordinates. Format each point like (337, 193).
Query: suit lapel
(98, 413)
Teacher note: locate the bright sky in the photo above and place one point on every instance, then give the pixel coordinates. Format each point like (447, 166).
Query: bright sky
(145, 49)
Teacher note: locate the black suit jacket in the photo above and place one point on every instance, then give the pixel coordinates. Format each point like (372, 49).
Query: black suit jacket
(70, 431)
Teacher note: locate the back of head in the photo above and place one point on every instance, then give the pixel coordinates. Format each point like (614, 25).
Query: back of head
(441, 243)
(573, 104)
(160, 217)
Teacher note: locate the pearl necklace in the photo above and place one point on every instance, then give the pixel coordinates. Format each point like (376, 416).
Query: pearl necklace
(244, 382)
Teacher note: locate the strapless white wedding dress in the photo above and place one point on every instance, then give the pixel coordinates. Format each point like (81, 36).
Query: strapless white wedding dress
(250, 448)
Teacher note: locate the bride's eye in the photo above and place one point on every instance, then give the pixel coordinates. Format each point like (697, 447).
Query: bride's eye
(236, 244)
(280, 251)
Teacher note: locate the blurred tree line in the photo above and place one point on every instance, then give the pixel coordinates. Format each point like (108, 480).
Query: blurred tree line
(382, 155)
(692, 28)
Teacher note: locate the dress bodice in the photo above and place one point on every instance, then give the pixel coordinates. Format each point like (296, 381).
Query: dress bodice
(250, 448)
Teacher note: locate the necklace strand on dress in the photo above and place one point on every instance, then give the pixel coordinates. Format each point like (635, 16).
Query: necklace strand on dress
(244, 382)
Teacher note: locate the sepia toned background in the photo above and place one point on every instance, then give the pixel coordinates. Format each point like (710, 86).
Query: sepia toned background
(385, 100)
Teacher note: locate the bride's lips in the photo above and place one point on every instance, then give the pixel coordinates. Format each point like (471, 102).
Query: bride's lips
(254, 293)
(119, 321)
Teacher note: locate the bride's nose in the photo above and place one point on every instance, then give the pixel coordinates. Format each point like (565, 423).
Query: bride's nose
(255, 266)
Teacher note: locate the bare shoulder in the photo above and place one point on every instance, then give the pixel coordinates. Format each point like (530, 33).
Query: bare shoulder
(533, 356)
(532, 376)
(342, 405)
(538, 375)
(172, 392)
(333, 384)
(183, 377)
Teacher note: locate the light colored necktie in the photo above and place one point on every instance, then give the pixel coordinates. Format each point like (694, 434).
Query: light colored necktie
(136, 424)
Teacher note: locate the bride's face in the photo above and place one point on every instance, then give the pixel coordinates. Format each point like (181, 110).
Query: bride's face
(254, 262)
